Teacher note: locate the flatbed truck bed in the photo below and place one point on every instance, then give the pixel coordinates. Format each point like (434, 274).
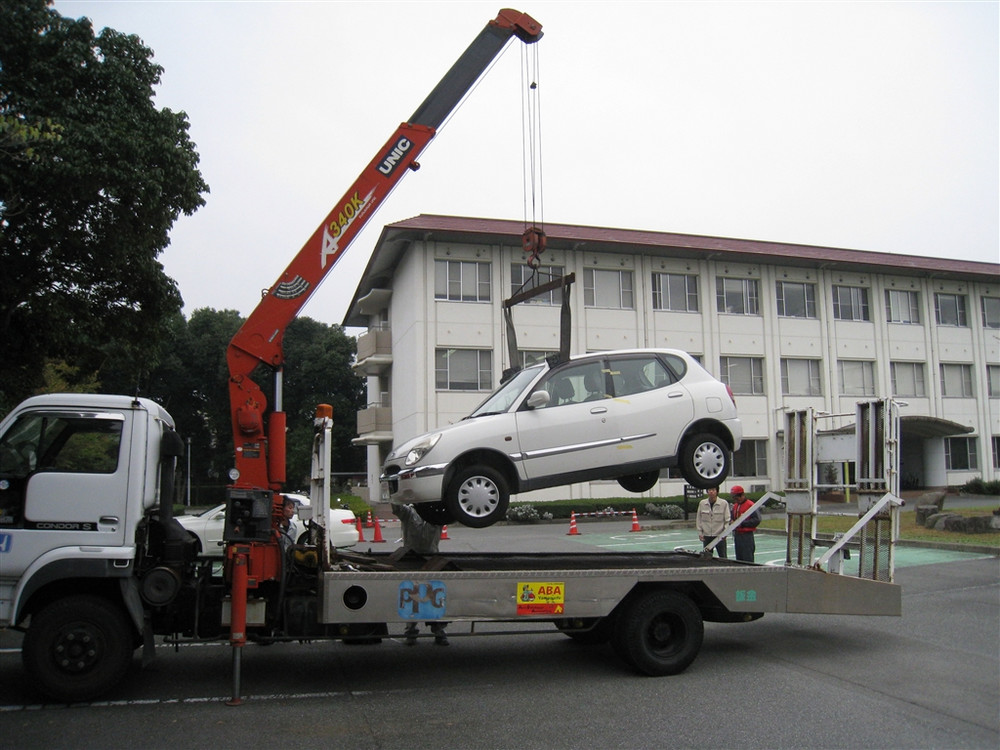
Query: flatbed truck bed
(650, 605)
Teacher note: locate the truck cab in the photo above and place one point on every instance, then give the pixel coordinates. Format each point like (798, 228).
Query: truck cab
(78, 472)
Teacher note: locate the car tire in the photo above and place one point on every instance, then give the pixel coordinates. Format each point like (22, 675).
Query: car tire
(435, 513)
(639, 482)
(478, 496)
(78, 648)
(704, 461)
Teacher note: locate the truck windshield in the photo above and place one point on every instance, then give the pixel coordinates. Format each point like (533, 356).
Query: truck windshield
(503, 397)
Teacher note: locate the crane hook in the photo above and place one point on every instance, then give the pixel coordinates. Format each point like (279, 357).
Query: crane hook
(533, 243)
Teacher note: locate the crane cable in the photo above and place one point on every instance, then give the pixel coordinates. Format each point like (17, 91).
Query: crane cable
(533, 238)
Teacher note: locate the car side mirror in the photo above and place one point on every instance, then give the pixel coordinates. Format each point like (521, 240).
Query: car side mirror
(538, 399)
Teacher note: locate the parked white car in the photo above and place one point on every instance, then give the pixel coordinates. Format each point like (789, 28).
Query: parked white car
(621, 415)
(208, 526)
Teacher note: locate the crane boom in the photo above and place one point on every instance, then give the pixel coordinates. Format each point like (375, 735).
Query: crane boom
(258, 437)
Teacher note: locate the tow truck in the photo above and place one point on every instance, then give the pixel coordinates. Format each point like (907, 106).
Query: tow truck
(93, 566)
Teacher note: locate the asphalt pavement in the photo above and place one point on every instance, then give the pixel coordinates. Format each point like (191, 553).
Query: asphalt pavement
(930, 678)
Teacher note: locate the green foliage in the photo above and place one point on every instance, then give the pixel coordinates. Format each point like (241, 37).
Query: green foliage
(93, 176)
(523, 514)
(564, 508)
(318, 360)
(191, 380)
(667, 512)
(978, 487)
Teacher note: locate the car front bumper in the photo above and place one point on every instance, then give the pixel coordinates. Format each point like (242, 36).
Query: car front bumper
(419, 484)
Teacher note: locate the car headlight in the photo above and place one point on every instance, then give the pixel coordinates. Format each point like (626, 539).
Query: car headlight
(421, 449)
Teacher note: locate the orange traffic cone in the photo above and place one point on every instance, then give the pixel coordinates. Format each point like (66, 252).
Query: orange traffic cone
(572, 525)
(378, 532)
(635, 521)
(444, 531)
(368, 523)
(361, 533)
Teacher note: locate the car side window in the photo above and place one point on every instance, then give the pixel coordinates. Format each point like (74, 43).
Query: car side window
(632, 375)
(576, 384)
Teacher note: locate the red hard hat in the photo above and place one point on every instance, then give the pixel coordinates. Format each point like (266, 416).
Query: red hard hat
(736, 490)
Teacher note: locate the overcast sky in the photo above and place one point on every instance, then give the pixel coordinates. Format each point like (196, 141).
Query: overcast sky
(862, 125)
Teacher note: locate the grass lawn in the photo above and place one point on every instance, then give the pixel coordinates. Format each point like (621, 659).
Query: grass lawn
(908, 528)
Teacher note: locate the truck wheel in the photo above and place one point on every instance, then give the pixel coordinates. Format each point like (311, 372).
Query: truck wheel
(77, 648)
(659, 632)
(478, 497)
(639, 482)
(435, 513)
(704, 461)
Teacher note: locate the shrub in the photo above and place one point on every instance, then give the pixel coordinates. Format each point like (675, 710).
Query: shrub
(978, 487)
(669, 512)
(523, 514)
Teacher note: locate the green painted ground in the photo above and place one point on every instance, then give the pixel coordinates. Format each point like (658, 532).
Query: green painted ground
(770, 547)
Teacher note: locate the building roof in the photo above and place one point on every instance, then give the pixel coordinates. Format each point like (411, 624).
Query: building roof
(396, 237)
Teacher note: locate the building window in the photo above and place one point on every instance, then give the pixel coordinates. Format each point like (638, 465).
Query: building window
(801, 377)
(995, 440)
(850, 303)
(751, 459)
(902, 306)
(611, 289)
(463, 369)
(744, 375)
(960, 454)
(949, 310)
(531, 357)
(857, 378)
(675, 292)
(737, 296)
(908, 379)
(462, 281)
(993, 380)
(956, 381)
(991, 312)
(795, 299)
(524, 279)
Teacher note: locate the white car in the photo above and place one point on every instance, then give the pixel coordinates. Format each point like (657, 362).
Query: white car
(208, 526)
(621, 415)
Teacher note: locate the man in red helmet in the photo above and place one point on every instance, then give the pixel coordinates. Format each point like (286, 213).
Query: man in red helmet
(743, 535)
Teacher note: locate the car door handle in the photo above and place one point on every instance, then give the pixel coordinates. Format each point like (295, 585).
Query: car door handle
(599, 410)
(109, 519)
(675, 394)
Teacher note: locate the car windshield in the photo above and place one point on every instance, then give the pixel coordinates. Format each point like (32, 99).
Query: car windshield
(504, 397)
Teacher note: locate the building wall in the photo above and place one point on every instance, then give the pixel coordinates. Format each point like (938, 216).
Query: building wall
(420, 325)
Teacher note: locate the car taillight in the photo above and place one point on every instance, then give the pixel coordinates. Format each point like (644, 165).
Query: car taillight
(731, 396)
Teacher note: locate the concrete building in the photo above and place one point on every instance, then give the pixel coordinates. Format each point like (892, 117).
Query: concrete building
(786, 326)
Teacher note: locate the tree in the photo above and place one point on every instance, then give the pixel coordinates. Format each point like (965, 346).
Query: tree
(92, 177)
(191, 379)
(318, 360)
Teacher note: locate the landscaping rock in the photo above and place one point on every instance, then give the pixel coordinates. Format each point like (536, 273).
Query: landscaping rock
(924, 512)
(937, 520)
(935, 498)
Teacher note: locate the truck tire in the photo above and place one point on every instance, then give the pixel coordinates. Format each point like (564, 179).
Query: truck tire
(704, 461)
(478, 496)
(77, 648)
(659, 632)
